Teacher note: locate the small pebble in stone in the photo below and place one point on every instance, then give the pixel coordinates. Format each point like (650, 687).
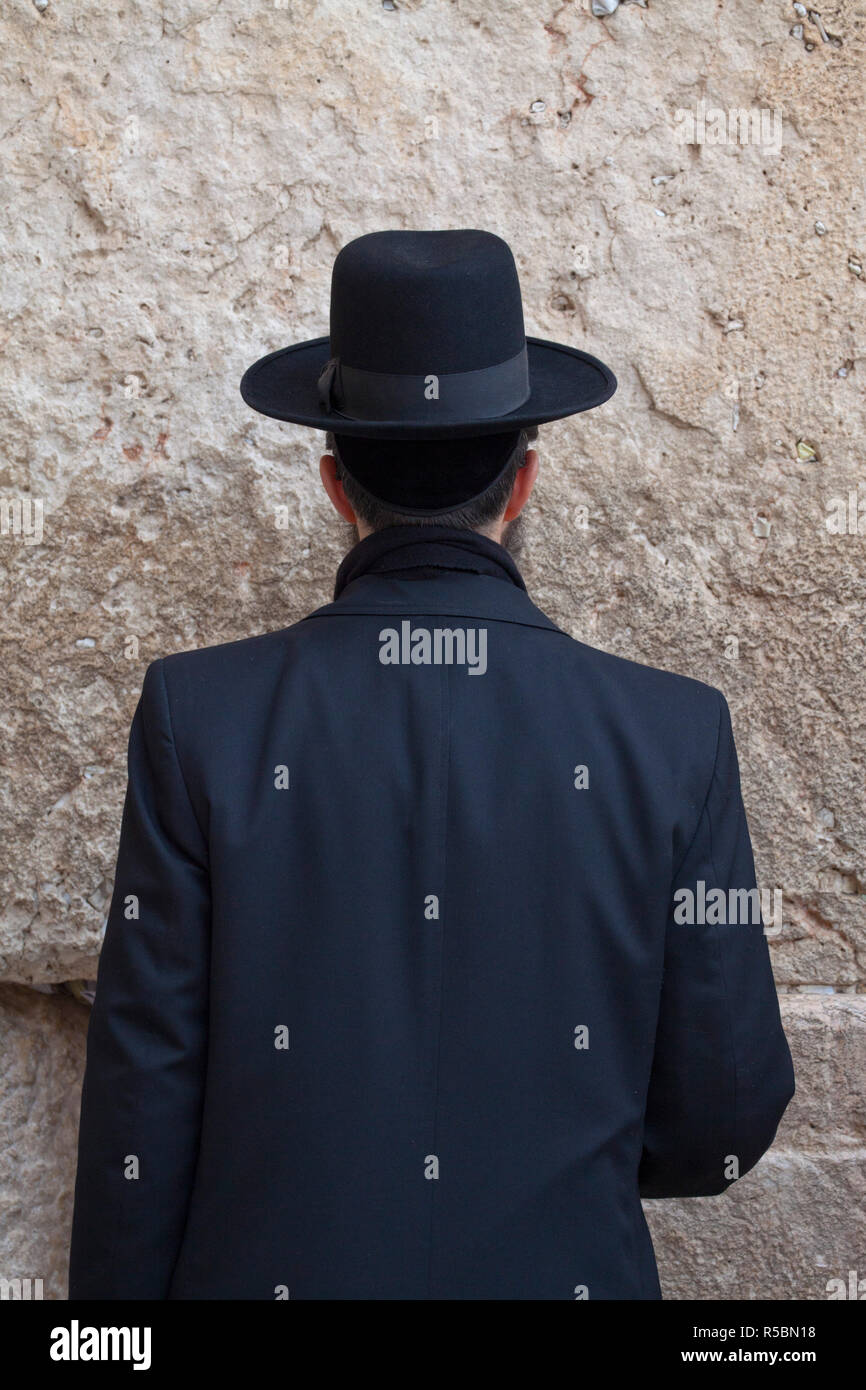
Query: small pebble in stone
(761, 526)
(806, 451)
(732, 325)
(800, 9)
(83, 990)
(661, 178)
(536, 106)
(608, 159)
(820, 229)
(40, 5)
(85, 642)
(797, 31)
(855, 267)
(388, 5)
(842, 371)
(603, 7)
(808, 47)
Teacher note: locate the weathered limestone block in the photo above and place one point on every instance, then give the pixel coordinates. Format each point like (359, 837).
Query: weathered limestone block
(174, 188)
(41, 1065)
(798, 1219)
(827, 1037)
(795, 1222)
(783, 1231)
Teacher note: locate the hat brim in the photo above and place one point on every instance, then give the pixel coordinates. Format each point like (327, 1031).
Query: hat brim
(563, 381)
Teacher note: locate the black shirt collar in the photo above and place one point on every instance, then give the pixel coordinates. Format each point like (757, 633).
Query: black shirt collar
(417, 552)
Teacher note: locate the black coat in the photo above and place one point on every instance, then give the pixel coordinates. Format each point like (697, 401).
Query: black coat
(393, 1001)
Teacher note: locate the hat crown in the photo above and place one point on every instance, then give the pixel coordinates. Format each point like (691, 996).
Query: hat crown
(422, 302)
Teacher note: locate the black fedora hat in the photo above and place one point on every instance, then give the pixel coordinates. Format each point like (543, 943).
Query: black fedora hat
(426, 342)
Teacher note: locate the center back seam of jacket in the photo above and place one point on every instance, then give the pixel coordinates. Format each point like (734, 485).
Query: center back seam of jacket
(442, 846)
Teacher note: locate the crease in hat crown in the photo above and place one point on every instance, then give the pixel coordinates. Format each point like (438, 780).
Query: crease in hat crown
(419, 302)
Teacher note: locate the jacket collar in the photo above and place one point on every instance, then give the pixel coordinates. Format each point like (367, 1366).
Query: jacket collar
(463, 575)
(422, 552)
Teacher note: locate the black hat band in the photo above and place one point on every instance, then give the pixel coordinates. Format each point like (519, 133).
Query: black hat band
(484, 394)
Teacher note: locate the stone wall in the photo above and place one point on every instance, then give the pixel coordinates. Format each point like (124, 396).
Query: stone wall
(176, 180)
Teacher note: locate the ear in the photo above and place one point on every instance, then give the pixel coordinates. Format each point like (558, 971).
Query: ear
(523, 485)
(334, 488)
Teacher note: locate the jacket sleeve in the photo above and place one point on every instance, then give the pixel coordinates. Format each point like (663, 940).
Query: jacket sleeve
(147, 1039)
(721, 1075)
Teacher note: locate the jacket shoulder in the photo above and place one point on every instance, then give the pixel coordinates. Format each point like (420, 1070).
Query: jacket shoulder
(680, 718)
(652, 682)
(225, 660)
(200, 682)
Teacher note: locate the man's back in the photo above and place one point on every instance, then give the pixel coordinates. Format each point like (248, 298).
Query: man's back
(406, 1004)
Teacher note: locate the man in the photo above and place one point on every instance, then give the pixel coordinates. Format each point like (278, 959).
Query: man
(402, 995)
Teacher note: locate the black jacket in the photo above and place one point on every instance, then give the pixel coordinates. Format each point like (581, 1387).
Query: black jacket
(394, 1001)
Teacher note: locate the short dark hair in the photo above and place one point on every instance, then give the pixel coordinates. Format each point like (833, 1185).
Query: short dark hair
(472, 516)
